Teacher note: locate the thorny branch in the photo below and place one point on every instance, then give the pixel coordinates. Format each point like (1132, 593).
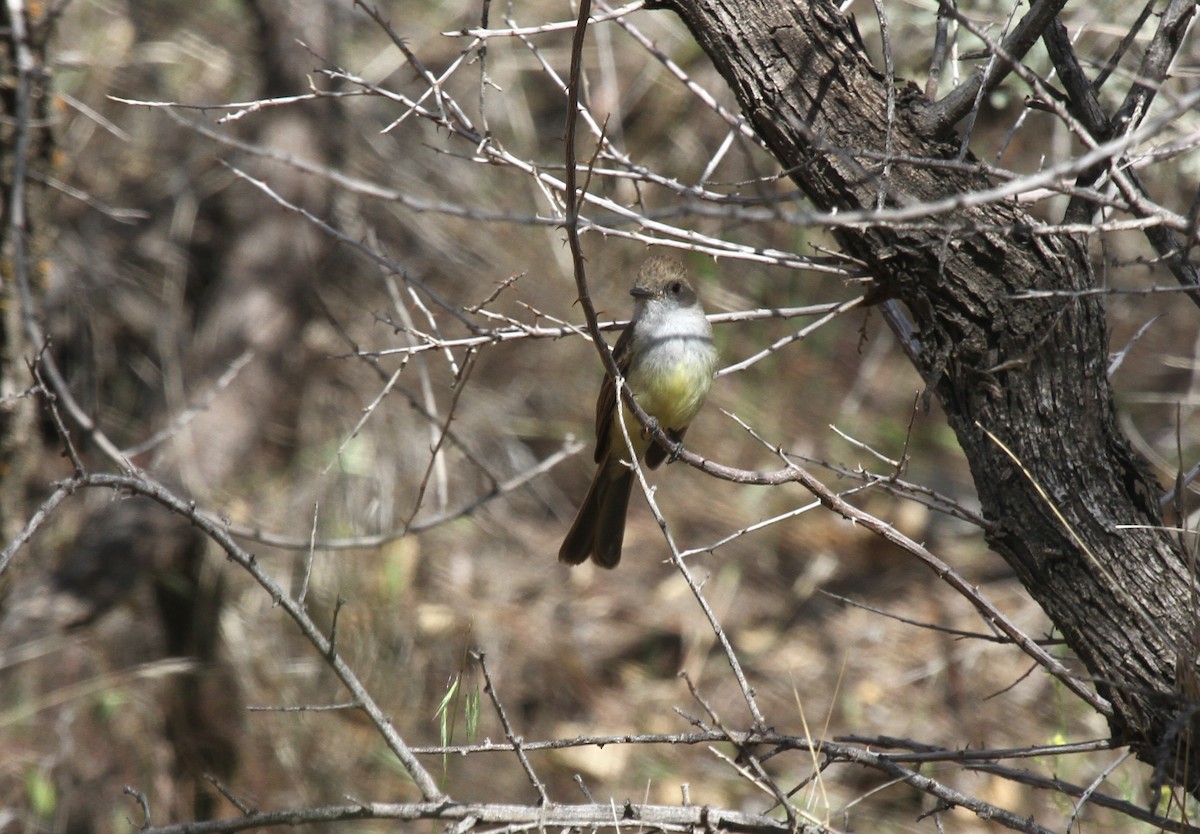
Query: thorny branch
(580, 211)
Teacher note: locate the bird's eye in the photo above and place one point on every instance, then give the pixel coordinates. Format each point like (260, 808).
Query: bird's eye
(676, 287)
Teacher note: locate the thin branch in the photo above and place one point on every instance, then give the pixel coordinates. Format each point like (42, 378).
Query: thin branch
(569, 448)
(990, 614)
(1091, 789)
(435, 453)
(184, 418)
(544, 28)
(943, 115)
(1129, 39)
(1156, 61)
(513, 739)
(667, 818)
(40, 516)
(938, 55)
(517, 331)
(678, 560)
(800, 335)
(954, 632)
(1118, 358)
(323, 645)
(1083, 102)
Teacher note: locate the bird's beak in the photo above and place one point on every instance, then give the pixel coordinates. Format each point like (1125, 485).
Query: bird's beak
(641, 292)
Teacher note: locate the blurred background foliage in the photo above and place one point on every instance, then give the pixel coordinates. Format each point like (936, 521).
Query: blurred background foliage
(164, 268)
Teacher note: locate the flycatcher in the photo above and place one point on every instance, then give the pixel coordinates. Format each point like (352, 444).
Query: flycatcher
(667, 358)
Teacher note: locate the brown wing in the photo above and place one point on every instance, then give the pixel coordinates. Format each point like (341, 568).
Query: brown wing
(606, 403)
(604, 406)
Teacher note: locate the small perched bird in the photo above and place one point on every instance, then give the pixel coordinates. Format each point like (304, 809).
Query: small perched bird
(667, 358)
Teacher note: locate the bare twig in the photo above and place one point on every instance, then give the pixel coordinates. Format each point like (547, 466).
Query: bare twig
(145, 806)
(955, 105)
(323, 645)
(987, 610)
(569, 448)
(667, 818)
(40, 516)
(954, 632)
(183, 419)
(513, 739)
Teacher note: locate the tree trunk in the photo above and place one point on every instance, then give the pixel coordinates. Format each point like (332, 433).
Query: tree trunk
(1026, 377)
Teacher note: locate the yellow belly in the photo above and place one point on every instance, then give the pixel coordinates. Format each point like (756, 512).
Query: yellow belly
(673, 395)
(670, 391)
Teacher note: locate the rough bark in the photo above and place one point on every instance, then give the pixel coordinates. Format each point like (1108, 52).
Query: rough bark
(1032, 373)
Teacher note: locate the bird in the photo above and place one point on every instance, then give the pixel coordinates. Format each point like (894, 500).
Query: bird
(667, 358)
